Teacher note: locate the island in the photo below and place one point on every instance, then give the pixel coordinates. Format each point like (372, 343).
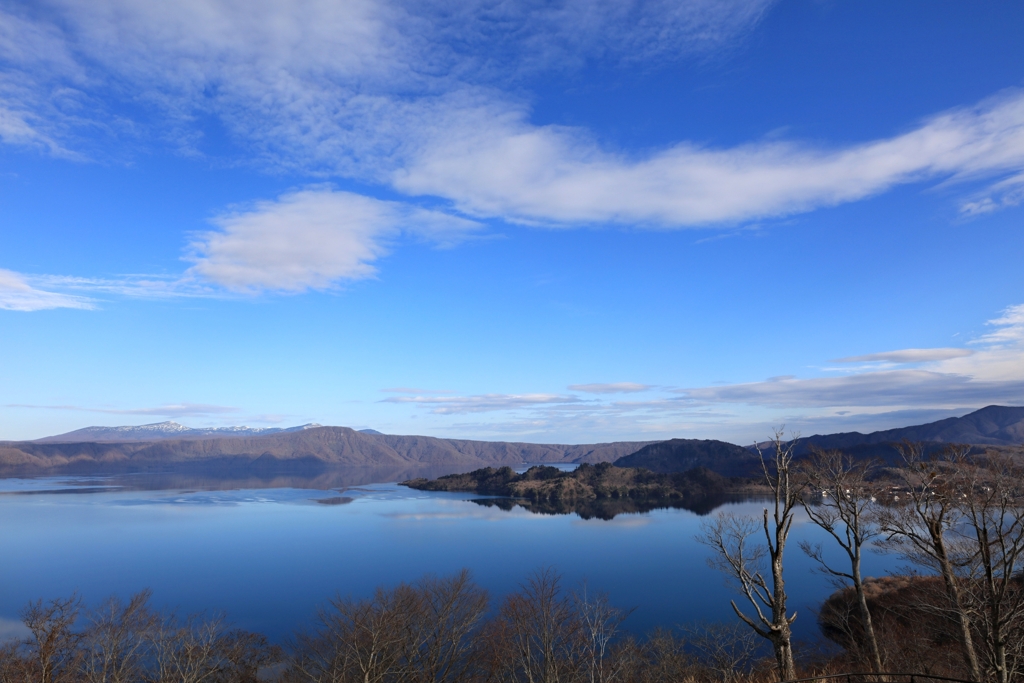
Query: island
(595, 491)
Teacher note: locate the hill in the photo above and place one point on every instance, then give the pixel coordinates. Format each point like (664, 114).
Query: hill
(680, 455)
(308, 447)
(989, 426)
(602, 490)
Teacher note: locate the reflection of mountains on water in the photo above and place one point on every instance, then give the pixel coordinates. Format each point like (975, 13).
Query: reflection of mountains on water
(608, 508)
(230, 476)
(316, 477)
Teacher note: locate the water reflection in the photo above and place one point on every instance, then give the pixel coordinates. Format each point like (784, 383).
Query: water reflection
(224, 479)
(267, 550)
(609, 508)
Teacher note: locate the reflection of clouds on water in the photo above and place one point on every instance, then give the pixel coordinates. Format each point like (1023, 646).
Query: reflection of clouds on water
(455, 509)
(222, 499)
(756, 509)
(625, 521)
(56, 485)
(425, 516)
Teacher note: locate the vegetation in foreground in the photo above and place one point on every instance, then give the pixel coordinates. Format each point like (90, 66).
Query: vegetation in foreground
(445, 630)
(955, 516)
(436, 630)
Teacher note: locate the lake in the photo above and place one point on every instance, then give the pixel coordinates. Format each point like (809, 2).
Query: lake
(265, 553)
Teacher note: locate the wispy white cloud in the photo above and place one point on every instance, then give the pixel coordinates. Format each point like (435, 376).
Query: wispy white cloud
(1009, 328)
(416, 95)
(491, 161)
(450, 405)
(610, 388)
(907, 356)
(131, 286)
(15, 129)
(311, 239)
(1000, 195)
(34, 292)
(413, 390)
(170, 410)
(992, 372)
(881, 394)
(422, 97)
(40, 88)
(329, 84)
(891, 388)
(16, 294)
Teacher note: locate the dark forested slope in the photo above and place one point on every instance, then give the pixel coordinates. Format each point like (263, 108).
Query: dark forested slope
(680, 455)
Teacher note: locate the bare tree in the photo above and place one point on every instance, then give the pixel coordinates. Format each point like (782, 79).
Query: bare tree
(367, 635)
(990, 504)
(186, 652)
(726, 650)
(53, 651)
(729, 539)
(845, 513)
(599, 624)
(13, 667)
(242, 654)
(440, 647)
(318, 656)
(118, 639)
(661, 658)
(536, 636)
(918, 522)
(420, 633)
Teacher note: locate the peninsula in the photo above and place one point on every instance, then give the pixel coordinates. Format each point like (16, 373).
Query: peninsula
(601, 490)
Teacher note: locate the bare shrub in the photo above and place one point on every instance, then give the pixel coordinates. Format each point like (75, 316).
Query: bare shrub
(52, 651)
(118, 640)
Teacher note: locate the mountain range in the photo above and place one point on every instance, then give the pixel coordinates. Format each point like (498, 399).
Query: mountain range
(305, 446)
(990, 426)
(166, 430)
(168, 445)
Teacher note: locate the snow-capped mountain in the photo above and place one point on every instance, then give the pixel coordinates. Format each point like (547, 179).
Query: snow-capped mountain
(166, 430)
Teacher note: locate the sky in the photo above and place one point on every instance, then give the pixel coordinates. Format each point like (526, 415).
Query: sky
(571, 221)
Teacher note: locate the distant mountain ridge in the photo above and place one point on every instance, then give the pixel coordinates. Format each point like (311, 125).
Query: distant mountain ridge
(170, 445)
(301, 447)
(989, 426)
(164, 430)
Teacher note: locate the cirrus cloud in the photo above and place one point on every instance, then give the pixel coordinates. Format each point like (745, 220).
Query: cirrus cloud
(610, 388)
(482, 403)
(942, 382)
(992, 372)
(492, 162)
(16, 294)
(907, 356)
(422, 97)
(170, 410)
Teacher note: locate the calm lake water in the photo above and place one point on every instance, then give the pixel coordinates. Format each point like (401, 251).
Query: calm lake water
(265, 553)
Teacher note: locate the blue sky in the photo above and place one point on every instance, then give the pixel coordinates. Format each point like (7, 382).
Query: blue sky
(553, 222)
